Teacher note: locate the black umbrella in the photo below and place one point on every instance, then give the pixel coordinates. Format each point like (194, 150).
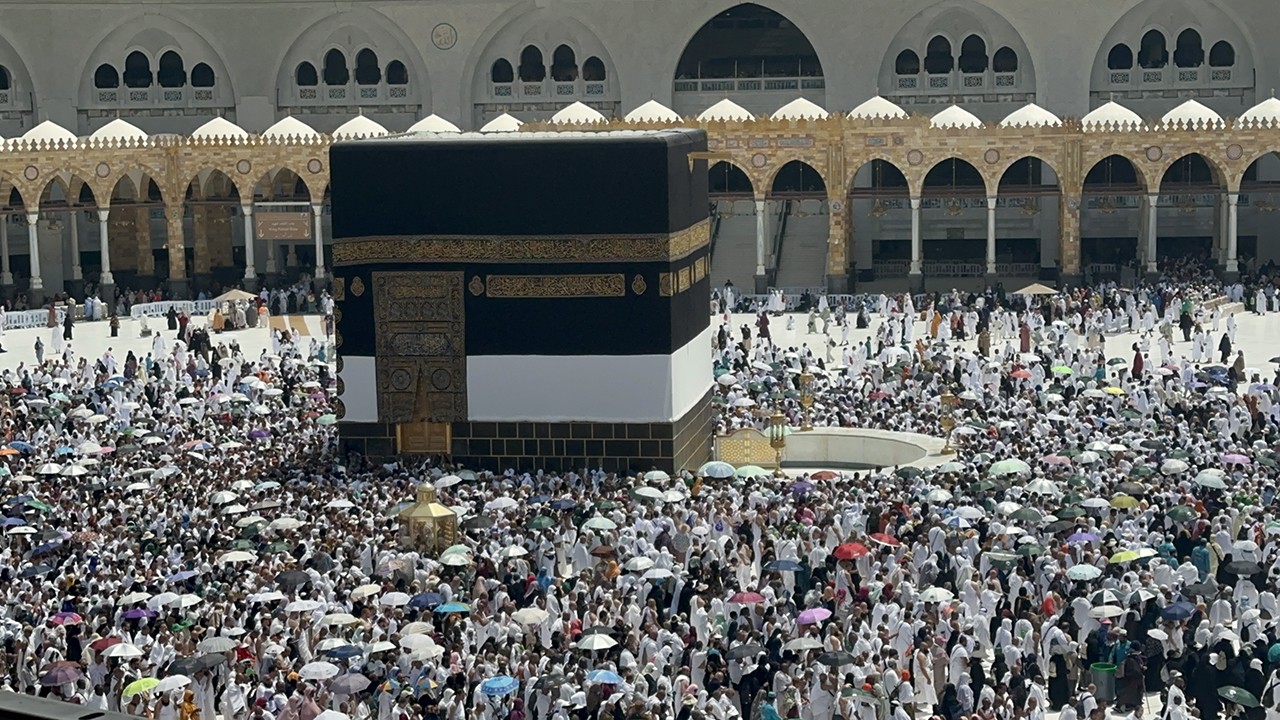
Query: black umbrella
(35, 570)
(745, 651)
(598, 630)
(289, 578)
(1132, 488)
(479, 522)
(1152, 444)
(349, 684)
(1243, 568)
(836, 659)
(1058, 526)
(1201, 589)
(211, 661)
(321, 562)
(185, 666)
(549, 682)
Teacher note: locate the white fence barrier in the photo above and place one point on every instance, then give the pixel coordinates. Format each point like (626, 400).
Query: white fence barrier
(160, 309)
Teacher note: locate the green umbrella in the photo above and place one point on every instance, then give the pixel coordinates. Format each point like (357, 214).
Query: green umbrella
(982, 486)
(1027, 515)
(1179, 454)
(1117, 361)
(279, 547)
(1268, 461)
(38, 505)
(1070, 513)
(983, 458)
(242, 544)
(999, 557)
(1078, 481)
(1130, 414)
(1183, 513)
(717, 399)
(747, 471)
(1083, 572)
(1030, 549)
(606, 505)
(60, 397)
(327, 419)
(1143, 471)
(542, 522)
(755, 386)
(1062, 370)
(1239, 696)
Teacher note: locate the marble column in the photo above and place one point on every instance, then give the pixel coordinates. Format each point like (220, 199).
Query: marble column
(6, 274)
(177, 244)
(73, 219)
(36, 287)
(917, 246)
(250, 273)
(991, 235)
(1232, 265)
(317, 231)
(106, 281)
(1153, 204)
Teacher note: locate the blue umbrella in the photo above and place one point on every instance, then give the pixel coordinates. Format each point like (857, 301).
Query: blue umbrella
(607, 677)
(21, 446)
(423, 600)
(538, 499)
(782, 566)
(453, 607)
(344, 652)
(563, 504)
(64, 450)
(11, 521)
(44, 549)
(1180, 610)
(499, 686)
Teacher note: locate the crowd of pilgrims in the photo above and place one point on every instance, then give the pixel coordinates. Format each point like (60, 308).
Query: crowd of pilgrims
(188, 545)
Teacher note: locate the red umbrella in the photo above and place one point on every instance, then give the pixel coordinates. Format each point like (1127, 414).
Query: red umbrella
(1021, 373)
(878, 395)
(824, 475)
(104, 643)
(747, 598)
(851, 551)
(884, 539)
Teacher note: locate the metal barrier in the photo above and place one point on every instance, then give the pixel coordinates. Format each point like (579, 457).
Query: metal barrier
(158, 309)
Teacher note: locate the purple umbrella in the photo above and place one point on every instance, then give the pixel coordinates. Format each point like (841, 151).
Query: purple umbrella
(1235, 459)
(813, 616)
(138, 614)
(801, 487)
(61, 676)
(259, 434)
(1082, 537)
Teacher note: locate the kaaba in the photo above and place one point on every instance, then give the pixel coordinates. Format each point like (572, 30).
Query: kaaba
(528, 300)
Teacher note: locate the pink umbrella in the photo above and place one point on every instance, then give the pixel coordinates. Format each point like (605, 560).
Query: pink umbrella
(1055, 460)
(813, 616)
(1235, 459)
(747, 598)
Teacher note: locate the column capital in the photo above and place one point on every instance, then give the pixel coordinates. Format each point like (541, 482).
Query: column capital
(991, 202)
(915, 203)
(317, 209)
(246, 208)
(1233, 199)
(104, 214)
(33, 218)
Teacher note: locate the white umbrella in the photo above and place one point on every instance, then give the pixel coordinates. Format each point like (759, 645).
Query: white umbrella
(657, 574)
(502, 503)
(161, 600)
(803, 643)
(394, 599)
(936, 595)
(530, 616)
(96, 419)
(331, 643)
(222, 497)
(339, 619)
(135, 597)
(416, 628)
(1106, 611)
(596, 642)
(365, 591)
(320, 670)
(656, 475)
(447, 481)
(232, 509)
(285, 523)
(49, 469)
(172, 682)
(638, 563)
(429, 652)
(236, 556)
(332, 715)
(380, 646)
(416, 642)
(303, 606)
(21, 530)
(511, 551)
(938, 495)
(340, 504)
(74, 471)
(123, 651)
(187, 600)
(217, 644)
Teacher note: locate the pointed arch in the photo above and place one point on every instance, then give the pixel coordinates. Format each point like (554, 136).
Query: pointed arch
(154, 34)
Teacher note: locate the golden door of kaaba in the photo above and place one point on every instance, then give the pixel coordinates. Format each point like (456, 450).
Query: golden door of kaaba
(420, 328)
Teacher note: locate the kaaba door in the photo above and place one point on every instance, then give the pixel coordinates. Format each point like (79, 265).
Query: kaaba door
(421, 347)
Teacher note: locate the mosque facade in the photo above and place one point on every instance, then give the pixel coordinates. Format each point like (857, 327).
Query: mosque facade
(924, 143)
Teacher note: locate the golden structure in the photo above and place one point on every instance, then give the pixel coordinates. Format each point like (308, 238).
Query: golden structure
(745, 446)
(428, 526)
(778, 439)
(806, 398)
(239, 170)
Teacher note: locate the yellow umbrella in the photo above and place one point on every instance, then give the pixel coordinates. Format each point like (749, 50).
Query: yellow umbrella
(140, 686)
(1124, 556)
(1124, 501)
(1113, 390)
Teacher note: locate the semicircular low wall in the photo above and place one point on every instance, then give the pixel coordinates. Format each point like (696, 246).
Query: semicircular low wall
(861, 448)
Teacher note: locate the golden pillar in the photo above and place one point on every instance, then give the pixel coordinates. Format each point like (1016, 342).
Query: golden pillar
(1069, 235)
(142, 241)
(200, 238)
(837, 244)
(176, 241)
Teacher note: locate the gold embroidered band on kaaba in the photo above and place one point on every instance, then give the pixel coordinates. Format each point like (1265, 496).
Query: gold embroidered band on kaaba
(522, 248)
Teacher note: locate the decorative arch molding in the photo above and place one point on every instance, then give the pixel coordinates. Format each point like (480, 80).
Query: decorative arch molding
(956, 21)
(350, 33)
(1171, 18)
(153, 35)
(545, 29)
(17, 95)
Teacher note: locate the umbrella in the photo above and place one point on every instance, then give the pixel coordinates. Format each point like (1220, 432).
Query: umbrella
(61, 676)
(1084, 572)
(104, 643)
(605, 677)
(936, 594)
(348, 684)
(530, 616)
(217, 644)
(319, 670)
(782, 566)
(1239, 696)
(172, 681)
(747, 598)
(1008, 467)
(836, 659)
(394, 599)
(453, 607)
(1182, 513)
(745, 650)
(499, 686)
(345, 652)
(715, 470)
(884, 539)
(812, 616)
(1243, 568)
(803, 643)
(850, 551)
(289, 578)
(138, 687)
(596, 642)
(1105, 597)
(123, 651)
(600, 523)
